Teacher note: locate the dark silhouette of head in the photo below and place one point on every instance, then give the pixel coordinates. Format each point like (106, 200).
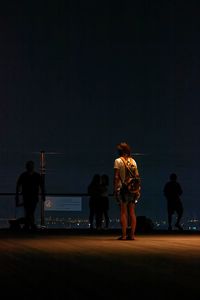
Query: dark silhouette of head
(124, 149)
(30, 166)
(173, 177)
(96, 179)
(105, 179)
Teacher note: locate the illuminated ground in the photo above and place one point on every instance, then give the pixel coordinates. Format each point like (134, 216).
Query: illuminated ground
(67, 266)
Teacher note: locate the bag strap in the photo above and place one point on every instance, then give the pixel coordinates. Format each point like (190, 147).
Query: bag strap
(125, 163)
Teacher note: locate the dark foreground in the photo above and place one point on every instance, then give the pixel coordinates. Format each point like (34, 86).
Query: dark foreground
(67, 265)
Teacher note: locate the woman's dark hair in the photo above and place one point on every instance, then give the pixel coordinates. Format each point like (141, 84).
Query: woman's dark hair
(96, 179)
(173, 177)
(124, 148)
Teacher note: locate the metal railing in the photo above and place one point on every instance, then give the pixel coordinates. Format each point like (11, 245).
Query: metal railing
(66, 210)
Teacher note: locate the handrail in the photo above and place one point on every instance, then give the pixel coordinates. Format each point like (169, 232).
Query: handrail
(55, 194)
(50, 194)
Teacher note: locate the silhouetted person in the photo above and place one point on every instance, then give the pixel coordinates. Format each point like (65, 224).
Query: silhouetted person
(127, 201)
(30, 185)
(173, 191)
(94, 190)
(104, 199)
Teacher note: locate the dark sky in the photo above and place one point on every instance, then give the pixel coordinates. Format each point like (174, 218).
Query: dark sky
(78, 77)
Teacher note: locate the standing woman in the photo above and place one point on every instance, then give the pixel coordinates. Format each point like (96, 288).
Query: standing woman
(94, 192)
(105, 199)
(124, 167)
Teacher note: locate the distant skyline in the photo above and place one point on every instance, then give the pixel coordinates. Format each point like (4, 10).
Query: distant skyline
(78, 77)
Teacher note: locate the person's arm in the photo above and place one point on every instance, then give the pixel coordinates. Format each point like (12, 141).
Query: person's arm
(180, 191)
(137, 173)
(42, 188)
(18, 190)
(116, 183)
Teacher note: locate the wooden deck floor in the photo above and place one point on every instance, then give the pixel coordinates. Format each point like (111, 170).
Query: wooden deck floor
(63, 266)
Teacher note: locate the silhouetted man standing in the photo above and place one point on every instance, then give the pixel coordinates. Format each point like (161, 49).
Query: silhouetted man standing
(172, 192)
(30, 185)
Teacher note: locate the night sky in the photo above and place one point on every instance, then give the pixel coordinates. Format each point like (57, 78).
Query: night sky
(78, 77)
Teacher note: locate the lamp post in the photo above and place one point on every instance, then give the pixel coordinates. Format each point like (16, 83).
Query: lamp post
(42, 173)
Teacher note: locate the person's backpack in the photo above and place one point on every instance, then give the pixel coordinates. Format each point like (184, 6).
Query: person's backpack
(132, 183)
